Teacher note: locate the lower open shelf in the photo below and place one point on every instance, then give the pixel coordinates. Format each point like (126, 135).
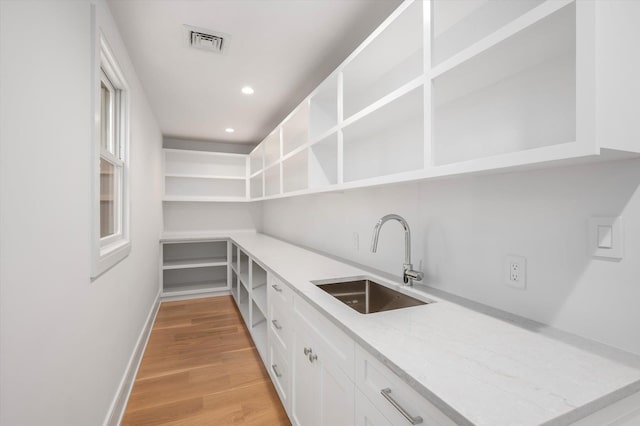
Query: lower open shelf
(259, 335)
(182, 289)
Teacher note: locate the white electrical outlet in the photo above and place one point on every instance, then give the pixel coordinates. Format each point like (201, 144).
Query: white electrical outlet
(515, 271)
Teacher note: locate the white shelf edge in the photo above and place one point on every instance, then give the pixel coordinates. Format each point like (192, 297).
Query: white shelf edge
(261, 301)
(256, 173)
(385, 100)
(517, 25)
(196, 176)
(178, 292)
(194, 263)
(212, 153)
(172, 198)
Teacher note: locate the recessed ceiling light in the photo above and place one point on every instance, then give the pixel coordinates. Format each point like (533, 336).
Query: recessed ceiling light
(247, 90)
(229, 130)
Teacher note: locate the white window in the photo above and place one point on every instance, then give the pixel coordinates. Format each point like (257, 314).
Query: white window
(111, 241)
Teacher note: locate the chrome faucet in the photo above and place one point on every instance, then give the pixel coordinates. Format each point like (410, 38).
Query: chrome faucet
(408, 274)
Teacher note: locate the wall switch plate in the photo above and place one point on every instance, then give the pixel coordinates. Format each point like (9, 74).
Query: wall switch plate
(356, 241)
(515, 271)
(606, 237)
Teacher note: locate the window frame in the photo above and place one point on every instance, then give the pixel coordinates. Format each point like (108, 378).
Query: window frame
(110, 250)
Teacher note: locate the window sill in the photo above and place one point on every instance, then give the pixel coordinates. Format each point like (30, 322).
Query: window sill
(109, 256)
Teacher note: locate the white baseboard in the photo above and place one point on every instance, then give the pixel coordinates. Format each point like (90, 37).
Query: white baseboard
(119, 403)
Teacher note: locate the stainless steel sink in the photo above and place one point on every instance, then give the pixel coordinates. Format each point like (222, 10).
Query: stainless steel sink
(367, 297)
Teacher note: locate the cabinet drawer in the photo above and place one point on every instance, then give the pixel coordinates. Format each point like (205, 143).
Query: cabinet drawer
(278, 291)
(334, 342)
(280, 324)
(280, 373)
(367, 414)
(374, 380)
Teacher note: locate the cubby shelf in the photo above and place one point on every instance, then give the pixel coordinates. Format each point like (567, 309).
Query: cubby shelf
(202, 176)
(483, 87)
(194, 267)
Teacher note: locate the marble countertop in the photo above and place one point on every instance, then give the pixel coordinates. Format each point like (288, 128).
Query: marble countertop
(477, 367)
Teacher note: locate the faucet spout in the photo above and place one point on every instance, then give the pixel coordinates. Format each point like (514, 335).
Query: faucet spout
(408, 274)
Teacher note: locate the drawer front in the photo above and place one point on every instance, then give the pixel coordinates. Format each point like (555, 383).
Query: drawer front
(279, 292)
(392, 396)
(278, 367)
(367, 414)
(280, 324)
(331, 340)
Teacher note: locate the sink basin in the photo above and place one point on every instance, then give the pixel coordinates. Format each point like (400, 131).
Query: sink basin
(367, 297)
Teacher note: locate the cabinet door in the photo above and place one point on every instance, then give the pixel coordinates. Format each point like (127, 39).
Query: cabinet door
(322, 394)
(305, 393)
(336, 394)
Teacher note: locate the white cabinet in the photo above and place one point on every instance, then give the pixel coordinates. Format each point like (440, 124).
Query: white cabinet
(322, 393)
(367, 414)
(394, 399)
(194, 267)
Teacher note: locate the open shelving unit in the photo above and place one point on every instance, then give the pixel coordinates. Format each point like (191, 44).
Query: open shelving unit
(250, 295)
(194, 267)
(204, 176)
(446, 88)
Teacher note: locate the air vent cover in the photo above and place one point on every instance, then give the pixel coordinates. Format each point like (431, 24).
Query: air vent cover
(213, 41)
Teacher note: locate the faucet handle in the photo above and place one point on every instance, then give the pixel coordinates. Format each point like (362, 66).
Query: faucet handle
(409, 275)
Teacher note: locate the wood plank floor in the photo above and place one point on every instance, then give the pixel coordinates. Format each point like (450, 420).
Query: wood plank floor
(202, 368)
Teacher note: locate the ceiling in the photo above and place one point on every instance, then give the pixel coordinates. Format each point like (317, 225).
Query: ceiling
(282, 48)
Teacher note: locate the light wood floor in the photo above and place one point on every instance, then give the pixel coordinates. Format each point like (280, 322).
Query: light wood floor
(201, 368)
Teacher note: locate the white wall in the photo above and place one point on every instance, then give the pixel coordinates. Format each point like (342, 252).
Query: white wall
(462, 229)
(193, 217)
(65, 341)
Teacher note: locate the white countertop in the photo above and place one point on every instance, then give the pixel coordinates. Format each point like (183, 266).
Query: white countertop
(477, 368)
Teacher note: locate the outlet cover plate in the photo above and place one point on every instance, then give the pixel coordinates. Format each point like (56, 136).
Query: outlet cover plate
(515, 271)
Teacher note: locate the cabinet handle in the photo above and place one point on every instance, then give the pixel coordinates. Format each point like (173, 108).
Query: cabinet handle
(386, 392)
(307, 351)
(277, 288)
(276, 324)
(312, 357)
(274, 367)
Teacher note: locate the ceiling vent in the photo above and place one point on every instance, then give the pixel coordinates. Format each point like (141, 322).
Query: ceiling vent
(212, 41)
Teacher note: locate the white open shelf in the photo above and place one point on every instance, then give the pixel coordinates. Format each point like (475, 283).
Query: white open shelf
(256, 186)
(204, 163)
(244, 304)
(390, 60)
(323, 162)
(295, 171)
(259, 296)
(295, 129)
(520, 94)
(194, 280)
(256, 159)
(259, 335)
(372, 144)
(323, 108)
(272, 181)
(271, 145)
(195, 263)
(204, 187)
(459, 24)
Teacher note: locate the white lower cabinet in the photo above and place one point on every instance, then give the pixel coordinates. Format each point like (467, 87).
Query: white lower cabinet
(367, 414)
(323, 393)
(394, 399)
